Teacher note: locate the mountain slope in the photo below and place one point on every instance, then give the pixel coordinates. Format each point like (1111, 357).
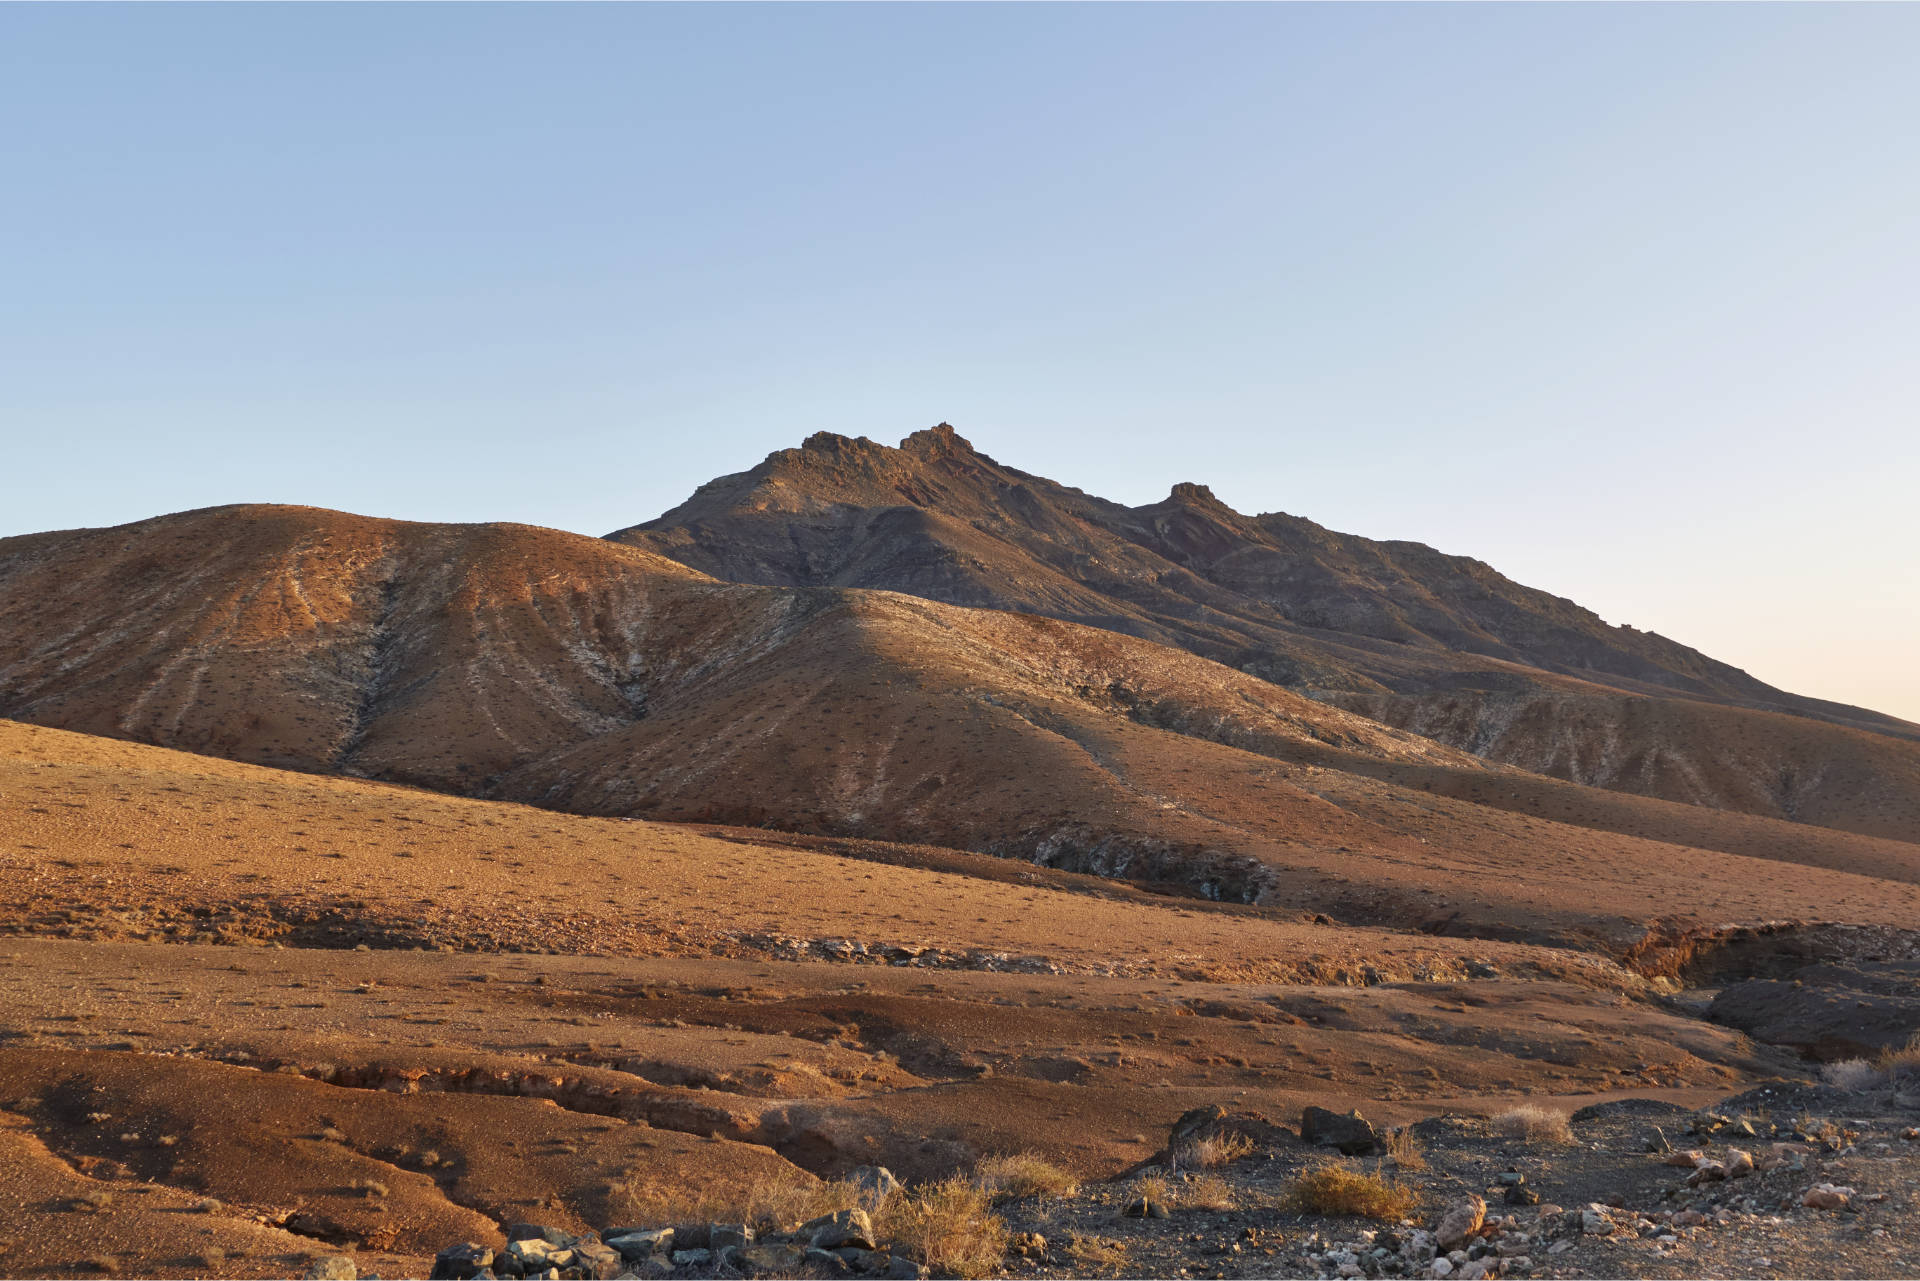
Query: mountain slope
(524, 664)
(1397, 630)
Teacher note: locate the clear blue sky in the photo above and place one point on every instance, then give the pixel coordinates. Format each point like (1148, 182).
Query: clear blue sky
(1624, 300)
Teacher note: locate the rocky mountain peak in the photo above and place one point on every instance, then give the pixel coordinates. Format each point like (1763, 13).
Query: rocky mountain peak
(1193, 495)
(936, 440)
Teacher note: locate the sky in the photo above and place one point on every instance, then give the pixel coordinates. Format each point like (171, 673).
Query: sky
(1623, 300)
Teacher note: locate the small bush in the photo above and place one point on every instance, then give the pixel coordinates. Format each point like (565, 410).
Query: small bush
(948, 1226)
(1091, 1254)
(1023, 1174)
(1335, 1189)
(778, 1205)
(1154, 1187)
(1903, 1061)
(1213, 1151)
(770, 1204)
(1534, 1124)
(1208, 1192)
(1403, 1149)
(1852, 1075)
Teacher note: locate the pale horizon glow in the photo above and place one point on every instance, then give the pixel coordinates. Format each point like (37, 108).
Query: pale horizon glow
(1622, 300)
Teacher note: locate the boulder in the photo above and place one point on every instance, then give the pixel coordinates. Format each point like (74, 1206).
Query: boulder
(1825, 1196)
(597, 1261)
(460, 1262)
(1194, 1123)
(825, 1263)
(843, 1228)
(876, 1183)
(332, 1267)
(770, 1260)
(1351, 1133)
(1461, 1220)
(638, 1244)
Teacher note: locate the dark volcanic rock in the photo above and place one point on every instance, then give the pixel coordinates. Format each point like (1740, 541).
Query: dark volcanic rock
(1351, 1133)
(1828, 1011)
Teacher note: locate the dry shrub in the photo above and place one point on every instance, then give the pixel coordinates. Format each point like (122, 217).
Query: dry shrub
(770, 1204)
(1091, 1254)
(949, 1226)
(1902, 1061)
(1023, 1174)
(1335, 1189)
(1213, 1151)
(1535, 1124)
(1852, 1075)
(1403, 1149)
(780, 1205)
(1208, 1192)
(1154, 1187)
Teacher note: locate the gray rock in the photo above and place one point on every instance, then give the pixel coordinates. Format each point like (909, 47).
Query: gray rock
(901, 1268)
(876, 1182)
(721, 1236)
(538, 1232)
(1461, 1220)
(842, 1228)
(1352, 1133)
(691, 1236)
(693, 1260)
(825, 1263)
(596, 1260)
(461, 1262)
(769, 1260)
(634, 1245)
(333, 1267)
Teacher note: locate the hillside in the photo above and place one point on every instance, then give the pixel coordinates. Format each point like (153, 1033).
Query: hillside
(513, 663)
(1443, 644)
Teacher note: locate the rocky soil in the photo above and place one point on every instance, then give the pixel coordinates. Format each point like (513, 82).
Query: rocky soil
(1784, 1180)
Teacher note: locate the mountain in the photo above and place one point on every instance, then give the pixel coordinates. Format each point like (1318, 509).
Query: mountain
(1443, 645)
(521, 664)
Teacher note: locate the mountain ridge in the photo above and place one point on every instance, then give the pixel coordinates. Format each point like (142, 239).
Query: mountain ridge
(1401, 632)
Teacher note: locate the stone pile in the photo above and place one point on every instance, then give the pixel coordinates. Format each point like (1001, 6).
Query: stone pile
(842, 1244)
(1465, 1243)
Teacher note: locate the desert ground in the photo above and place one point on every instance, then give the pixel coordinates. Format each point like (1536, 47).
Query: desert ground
(255, 1018)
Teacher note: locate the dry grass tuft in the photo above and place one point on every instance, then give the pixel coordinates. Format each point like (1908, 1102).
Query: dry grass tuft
(1535, 1124)
(948, 1226)
(1023, 1174)
(1403, 1149)
(767, 1205)
(1895, 1063)
(1092, 1255)
(1213, 1151)
(1154, 1187)
(1335, 1189)
(1207, 1192)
